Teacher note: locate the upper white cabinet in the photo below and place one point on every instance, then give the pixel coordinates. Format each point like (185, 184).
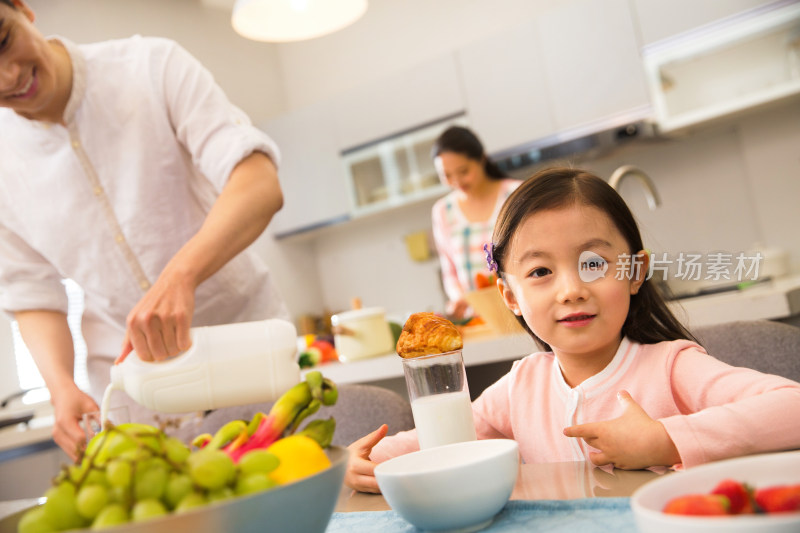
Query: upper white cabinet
(574, 65)
(395, 171)
(659, 20)
(311, 174)
(505, 89)
(719, 70)
(403, 101)
(592, 63)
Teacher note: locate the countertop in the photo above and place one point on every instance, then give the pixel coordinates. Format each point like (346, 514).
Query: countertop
(481, 346)
(770, 300)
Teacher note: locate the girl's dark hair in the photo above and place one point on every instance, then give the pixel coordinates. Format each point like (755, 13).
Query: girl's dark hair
(649, 319)
(463, 141)
(9, 3)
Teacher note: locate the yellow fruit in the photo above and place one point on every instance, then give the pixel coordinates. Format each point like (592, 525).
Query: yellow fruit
(299, 456)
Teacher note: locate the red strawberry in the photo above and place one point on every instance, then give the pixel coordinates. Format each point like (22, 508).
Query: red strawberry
(778, 499)
(739, 494)
(698, 504)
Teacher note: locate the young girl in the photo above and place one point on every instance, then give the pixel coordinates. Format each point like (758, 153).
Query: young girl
(463, 220)
(622, 382)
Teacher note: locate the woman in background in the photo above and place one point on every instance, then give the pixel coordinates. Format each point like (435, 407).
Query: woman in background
(463, 220)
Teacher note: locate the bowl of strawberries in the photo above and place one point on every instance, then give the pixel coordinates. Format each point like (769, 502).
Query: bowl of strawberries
(758, 493)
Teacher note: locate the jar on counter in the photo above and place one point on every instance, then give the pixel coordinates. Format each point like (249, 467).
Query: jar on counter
(362, 333)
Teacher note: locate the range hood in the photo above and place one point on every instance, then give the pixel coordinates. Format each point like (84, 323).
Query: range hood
(591, 139)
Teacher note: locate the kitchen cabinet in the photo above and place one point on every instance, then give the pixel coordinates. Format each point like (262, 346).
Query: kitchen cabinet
(505, 89)
(311, 173)
(592, 63)
(658, 20)
(401, 102)
(395, 171)
(574, 67)
(719, 70)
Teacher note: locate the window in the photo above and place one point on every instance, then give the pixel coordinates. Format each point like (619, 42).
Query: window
(27, 373)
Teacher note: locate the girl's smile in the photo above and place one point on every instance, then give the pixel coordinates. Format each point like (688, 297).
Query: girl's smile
(576, 320)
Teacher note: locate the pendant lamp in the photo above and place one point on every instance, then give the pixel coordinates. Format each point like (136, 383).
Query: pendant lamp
(293, 20)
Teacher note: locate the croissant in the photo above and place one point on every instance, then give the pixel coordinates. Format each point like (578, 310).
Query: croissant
(426, 334)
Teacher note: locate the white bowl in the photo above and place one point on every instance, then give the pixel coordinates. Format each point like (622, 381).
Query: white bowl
(304, 506)
(458, 486)
(756, 470)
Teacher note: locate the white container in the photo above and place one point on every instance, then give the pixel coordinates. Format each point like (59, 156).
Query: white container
(362, 333)
(227, 365)
(457, 487)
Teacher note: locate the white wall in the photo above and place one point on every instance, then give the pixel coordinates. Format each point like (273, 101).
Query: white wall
(248, 71)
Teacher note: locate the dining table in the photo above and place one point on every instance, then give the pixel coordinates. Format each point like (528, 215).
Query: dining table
(573, 497)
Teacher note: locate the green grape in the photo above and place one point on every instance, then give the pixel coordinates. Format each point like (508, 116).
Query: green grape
(136, 455)
(177, 451)
(258, 461)
(147, 509)
(254, 482)
(122, 495)
(118, 473)
(211, 469)
(60, 509)
(90, 500)
(111, 515)
(220, 494)
(191, 501)
(144, 434)
(150, 481)
(178, 486)
(113, 446)
(96, 477)
(74, 472)
(34, 521)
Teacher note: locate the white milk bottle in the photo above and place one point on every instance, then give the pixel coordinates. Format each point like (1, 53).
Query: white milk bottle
(227, 365)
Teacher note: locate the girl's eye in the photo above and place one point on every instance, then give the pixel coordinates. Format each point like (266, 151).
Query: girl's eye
(539, 272)
(4, 42)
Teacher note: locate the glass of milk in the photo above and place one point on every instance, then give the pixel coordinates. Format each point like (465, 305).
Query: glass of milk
(437, 388)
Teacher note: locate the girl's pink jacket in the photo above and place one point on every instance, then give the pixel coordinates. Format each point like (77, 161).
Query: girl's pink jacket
(711, 410)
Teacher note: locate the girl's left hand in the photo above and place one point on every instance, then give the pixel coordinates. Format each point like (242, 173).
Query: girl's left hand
(630, 442)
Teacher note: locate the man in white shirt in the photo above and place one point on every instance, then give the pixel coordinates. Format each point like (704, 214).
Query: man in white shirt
(124, 167)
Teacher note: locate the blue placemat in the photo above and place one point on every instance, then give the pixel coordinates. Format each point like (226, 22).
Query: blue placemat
(590, 515)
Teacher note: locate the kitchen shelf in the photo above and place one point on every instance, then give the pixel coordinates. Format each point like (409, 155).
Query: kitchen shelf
(395, 171)
(718, 70)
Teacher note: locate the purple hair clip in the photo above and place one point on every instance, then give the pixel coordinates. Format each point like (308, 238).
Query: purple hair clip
(490, 262)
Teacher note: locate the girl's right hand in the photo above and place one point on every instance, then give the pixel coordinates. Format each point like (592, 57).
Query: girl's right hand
(360, 473)
(69, 406)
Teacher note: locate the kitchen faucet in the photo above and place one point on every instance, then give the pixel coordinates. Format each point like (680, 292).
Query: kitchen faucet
(622, 172)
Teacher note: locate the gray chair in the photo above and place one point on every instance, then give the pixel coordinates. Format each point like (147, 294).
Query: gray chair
(769, 347)
(360, 409)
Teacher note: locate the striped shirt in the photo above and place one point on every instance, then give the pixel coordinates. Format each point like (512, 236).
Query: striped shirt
(460, 241)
